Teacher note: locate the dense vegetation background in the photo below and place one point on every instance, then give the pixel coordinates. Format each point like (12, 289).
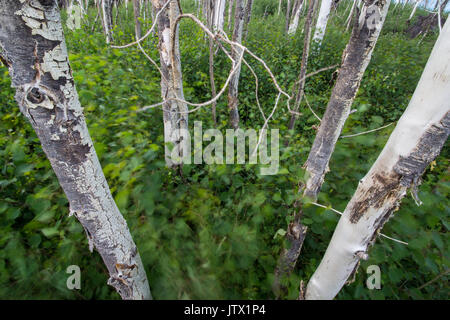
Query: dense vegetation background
(216, 231)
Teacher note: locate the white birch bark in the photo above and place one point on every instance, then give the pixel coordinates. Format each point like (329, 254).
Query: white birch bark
(106, 7)
(288, 16)
(174, 112)
(296, 231)
(294, 23)
(416, 141)
(233, 88)
(414, 9)
(439, 17)
(356, 58)
(247, 17)
(231, 4)
(306, 44)
(396, 4)
(322, 20)
(350, 15)
(219, 11)
(137, 23)
(32, 45)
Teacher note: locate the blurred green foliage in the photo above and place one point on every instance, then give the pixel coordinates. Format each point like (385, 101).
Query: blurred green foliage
(215, 231)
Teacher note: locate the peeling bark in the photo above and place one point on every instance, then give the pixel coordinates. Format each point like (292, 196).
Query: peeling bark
(295, 236)
(32, 42)
(356, 58)
(174, 112)
(416, 141)
(296, 231)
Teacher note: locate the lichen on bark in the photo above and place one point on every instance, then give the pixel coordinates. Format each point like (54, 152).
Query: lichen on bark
(32, 42)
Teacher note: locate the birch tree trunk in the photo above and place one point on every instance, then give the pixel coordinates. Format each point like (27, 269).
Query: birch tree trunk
(236, 52)
(32, 45)
(174, 113)
(356, 58)
(414, 10)
(294, 23)
(137, 23)
(215, 24)
(219, 15)
(301, 78)
(322, 20)
(416, 141)
(247, 17)
(106, 6)
(231, 4)
(288, 15)
(205, 11)
(350, 15)
(296, 231)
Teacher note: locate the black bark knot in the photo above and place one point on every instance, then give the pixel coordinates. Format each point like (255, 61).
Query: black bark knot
(47, 3)
(35, 96)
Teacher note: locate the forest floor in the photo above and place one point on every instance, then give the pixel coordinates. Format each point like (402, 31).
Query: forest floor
(215, 231)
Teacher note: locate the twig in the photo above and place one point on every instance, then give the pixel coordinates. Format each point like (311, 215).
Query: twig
(340, 213)
(316, 72)
(434, 279)
(256, 89)
(148, 32)
(373, 130)
(307, 103)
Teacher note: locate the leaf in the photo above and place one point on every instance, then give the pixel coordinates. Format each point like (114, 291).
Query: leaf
(50, 232)
(122, 199)
(280, 233)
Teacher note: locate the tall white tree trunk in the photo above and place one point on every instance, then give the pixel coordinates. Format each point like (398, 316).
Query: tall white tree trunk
(294, 23)
(219, 15)
(233, 89)
(137, 23)
(247, 17)
(288, 16)
(296, 232)
(231, 4)
(306, 44)
(416, 141)
(322, 20)
(356, 58)
(350, 15)
(414, 9)
(33, 47)
(439, 16)
(174, 113)
(106, 6)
